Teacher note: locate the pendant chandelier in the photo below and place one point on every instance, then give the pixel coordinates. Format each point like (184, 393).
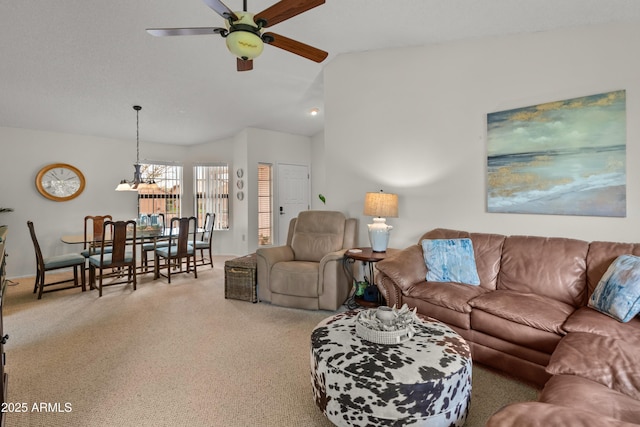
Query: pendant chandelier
(137, 183)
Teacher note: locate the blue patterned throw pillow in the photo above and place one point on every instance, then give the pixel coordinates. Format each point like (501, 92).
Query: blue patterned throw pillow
(618, 292)
(450, 260)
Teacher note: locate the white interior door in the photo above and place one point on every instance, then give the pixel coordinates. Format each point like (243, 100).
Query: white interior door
(293, 196)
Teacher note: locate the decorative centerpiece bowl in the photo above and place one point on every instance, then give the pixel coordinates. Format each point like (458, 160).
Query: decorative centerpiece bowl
(151, 230)
(386, 325)
(148, 226)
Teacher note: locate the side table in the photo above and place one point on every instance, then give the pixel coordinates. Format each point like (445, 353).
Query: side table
(368, 257)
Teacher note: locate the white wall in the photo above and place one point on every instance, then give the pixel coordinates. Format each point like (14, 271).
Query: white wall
(413, 122)
(410, 121)
(245, 151)
(274, 148)
(219, 151)
(103, 162)
(318, 171)
(240, 208)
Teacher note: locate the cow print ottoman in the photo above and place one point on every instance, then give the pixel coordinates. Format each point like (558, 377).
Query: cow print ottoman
(424, 381)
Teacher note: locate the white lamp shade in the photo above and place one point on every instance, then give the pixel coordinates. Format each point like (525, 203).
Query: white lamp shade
(149, 186)
(123, 186)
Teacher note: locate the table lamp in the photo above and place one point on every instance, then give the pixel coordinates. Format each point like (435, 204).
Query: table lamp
(380, 205)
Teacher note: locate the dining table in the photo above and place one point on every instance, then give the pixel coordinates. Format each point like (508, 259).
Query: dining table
(144, 234)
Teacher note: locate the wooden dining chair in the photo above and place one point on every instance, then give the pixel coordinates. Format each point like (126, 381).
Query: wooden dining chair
(56, 262)
(150, 247)
(206, 239)
(93, 234)
(122, 255)
(180, 248)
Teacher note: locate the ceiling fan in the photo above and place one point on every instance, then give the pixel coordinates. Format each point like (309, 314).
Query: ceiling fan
(243, 32)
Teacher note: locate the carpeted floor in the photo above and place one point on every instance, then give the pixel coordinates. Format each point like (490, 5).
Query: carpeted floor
(173, 355)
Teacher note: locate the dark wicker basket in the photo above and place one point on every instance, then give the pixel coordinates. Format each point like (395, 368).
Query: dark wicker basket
(240, 277)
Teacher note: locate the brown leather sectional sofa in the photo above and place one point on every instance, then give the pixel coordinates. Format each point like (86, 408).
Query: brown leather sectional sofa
(529, 318)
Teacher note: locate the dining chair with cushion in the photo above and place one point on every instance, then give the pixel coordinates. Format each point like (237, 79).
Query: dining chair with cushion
(151, 246)
(93, 234)
(206, 240)
(121, 256)
(308, 271)
(180, 248)
(56, 262)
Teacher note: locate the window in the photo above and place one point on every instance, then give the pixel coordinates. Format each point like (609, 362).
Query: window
(165, 199)
(265, 202)
(211, 188)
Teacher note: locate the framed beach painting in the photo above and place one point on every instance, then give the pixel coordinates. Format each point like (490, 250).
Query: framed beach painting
(564, 158)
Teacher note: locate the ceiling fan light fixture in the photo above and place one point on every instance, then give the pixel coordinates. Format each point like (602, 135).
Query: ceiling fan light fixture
(244, 30)
(243, 39)
(244, 44)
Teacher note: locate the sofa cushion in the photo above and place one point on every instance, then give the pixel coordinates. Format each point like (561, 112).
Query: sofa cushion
(487, 249)
(600, 257)
(550, 266)
(608, 361)
(587, 395)
(618, 292)
(454, 296)
(450, 260)
(297, 278)
(406, 268)
(539, 414)
(514, 335)
(316, 234)
(586, 319)
(534, 310)
(453, 318)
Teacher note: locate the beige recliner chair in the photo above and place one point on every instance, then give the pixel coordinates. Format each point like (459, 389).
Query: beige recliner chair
(307, 272)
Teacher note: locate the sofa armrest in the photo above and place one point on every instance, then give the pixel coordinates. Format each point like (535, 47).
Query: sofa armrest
(333, 261)
(389, 291)
(266, 258)
(405, 268)
(333, 283)
(275, 254)
(333, 256)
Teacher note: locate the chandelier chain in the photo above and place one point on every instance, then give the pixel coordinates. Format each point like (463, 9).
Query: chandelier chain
(138, 135)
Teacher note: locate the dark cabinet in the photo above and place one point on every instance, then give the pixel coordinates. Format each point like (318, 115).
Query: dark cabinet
(3, 336)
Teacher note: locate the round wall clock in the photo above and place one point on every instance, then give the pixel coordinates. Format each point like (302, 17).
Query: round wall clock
(60, 182)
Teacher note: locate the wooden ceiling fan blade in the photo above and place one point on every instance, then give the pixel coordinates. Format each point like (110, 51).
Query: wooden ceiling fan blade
(195, 31)
(221, 9)
(244, 64)
(295, 46)
(284, 10)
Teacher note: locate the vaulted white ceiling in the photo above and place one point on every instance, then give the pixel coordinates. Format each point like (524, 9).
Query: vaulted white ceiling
(78, 66)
